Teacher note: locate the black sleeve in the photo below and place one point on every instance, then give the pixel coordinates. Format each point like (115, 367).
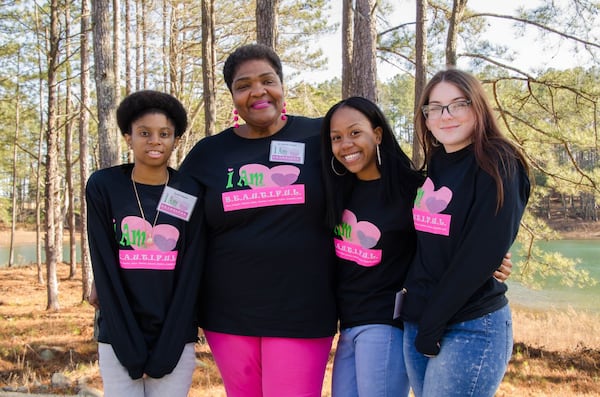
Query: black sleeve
(487, 237)
(126, 337)
(182, 310)
(189, 164)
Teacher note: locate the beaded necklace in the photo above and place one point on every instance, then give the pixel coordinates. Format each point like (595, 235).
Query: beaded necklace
(149, 240)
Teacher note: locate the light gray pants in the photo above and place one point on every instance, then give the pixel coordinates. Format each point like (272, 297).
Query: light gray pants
(117, 382)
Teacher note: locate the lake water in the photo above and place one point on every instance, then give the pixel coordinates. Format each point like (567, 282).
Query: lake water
(553, 295)
(25, 254)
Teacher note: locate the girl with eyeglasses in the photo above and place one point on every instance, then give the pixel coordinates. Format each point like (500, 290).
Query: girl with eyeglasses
(370, 186)
(457, 322)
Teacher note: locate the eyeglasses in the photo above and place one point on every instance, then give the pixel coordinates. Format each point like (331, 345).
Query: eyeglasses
(458, 108)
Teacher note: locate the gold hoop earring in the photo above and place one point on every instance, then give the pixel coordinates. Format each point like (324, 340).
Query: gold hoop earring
(335, 171)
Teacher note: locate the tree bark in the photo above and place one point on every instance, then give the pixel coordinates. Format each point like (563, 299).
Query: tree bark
(174, 54)
(70, 195)
(420, 71)
(117, 64)
(84, 152)
(143, 26)
(139, 10)
(266, 22)
(128, 43)
(347, 40)
(11, 253)
(38, 175)
(52, 177)
(167, 87)
(364, 54)
(105, 84)
(208, 67)
(458, 10)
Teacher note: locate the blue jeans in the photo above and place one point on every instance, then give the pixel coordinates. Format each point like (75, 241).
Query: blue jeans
(369, 363)
(473, 358)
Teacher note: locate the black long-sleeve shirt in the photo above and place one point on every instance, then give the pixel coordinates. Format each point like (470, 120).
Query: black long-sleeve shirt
(375, 245)
(270, 260)
(461, 240)
(147, 290)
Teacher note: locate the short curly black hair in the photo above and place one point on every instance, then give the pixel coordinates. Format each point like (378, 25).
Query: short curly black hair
(145, 102)
(250, 52)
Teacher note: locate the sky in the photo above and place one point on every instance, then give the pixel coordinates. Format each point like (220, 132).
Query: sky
(530, 55)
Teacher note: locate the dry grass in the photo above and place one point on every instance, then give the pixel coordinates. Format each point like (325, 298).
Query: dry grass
(556, 353)
(558, 330)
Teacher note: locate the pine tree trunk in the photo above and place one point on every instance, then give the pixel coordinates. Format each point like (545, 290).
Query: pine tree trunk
(144, 28)
(11, 253)
(52, 176)
(420, 71)
(208, 66)
(458, 10)
(117, 65)
(138, 75)
(105, 84)
(347, 40)
(266, 22)
(364, 55)
(128, 42)
(38, 175)
(84, 152)
(69, 153)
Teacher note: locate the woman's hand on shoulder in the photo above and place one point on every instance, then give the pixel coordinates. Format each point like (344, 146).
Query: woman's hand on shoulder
(505, 268)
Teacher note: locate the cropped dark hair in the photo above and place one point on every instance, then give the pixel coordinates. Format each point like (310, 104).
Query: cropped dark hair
(250, 52)
(145, 102)
(398, 174)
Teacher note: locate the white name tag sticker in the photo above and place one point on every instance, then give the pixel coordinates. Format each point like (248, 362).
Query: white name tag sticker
(177, 203)
(287, 152)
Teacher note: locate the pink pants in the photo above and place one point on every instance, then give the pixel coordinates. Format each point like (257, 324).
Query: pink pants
(270, 367)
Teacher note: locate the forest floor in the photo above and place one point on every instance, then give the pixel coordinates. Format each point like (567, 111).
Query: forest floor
(53, 352)
(555, 354)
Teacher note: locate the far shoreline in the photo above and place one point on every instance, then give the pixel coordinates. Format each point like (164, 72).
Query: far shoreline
(573, 229)
(26, 237)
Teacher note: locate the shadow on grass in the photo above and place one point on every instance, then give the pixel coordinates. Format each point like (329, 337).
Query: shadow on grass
(535, 366)
(581, 359)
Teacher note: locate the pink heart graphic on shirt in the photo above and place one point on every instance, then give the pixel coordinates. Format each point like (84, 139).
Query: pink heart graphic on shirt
(259, 176)
(366, 241)
(284, 180)
(363, 233)
(434, 201)
(164, 237)
(164, 243)
(434, 205)
(133, 227)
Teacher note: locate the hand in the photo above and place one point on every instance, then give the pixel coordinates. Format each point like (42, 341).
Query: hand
(93, 298)
(505, 268)
(427, 346)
